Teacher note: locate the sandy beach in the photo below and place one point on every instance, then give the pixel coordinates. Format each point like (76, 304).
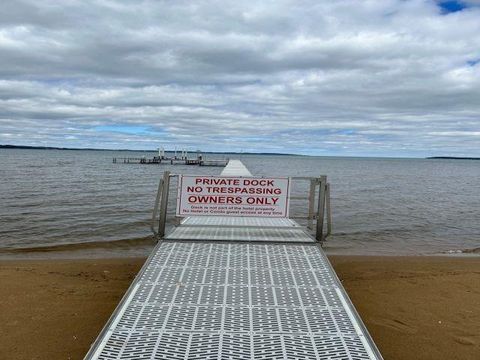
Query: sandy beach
(414, 307)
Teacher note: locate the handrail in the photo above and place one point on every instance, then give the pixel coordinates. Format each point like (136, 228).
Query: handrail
(164, 204)
(156, 206)
(259, 177)
(321, 208)
(311, 203)
(329, 211)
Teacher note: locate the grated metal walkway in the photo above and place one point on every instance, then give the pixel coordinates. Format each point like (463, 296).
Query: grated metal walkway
(235, 300)
(239, 229)
(235, 168)
(239, 234)
(237, 221)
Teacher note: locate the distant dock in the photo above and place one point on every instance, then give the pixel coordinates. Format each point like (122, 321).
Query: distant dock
(158, 160)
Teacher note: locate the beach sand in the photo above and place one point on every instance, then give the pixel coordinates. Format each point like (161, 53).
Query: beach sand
(417, 307)
(414, 307)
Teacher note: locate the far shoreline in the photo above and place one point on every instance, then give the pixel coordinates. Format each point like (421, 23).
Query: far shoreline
(452, 158)
(235, 153)
(25, 147)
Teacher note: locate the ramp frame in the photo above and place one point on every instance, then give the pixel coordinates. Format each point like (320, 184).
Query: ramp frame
(318, 206)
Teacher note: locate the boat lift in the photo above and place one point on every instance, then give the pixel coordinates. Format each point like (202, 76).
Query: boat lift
(219, 287)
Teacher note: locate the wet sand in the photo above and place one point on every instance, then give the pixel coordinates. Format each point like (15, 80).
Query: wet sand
(414, 307)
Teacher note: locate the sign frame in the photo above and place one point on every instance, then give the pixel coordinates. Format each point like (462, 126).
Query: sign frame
(284, 195)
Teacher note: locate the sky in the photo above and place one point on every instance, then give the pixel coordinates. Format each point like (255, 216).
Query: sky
(394, 78)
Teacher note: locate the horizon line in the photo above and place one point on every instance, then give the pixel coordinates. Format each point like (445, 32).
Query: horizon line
(12, 146)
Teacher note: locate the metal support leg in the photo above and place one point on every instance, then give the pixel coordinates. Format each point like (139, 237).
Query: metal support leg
(329, 210)
(155, 208)
(321, 208)
(311, 204)
(164, 204)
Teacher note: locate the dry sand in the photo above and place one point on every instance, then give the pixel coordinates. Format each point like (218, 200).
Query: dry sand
(417, 307)
(414, 307)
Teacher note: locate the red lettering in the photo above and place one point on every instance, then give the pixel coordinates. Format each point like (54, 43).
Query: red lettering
(257, 182)
(191, 189)
(210, 199)
(262, 201)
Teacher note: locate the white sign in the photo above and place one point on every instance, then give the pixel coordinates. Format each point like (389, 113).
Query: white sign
(233, 196)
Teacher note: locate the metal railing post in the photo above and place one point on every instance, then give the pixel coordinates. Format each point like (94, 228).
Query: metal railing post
(155, 208)
(329, 210)
(311, 203)
(321, 208)
(164, 204)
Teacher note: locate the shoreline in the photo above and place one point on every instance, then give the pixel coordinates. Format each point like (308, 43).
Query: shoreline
(142, 247)
(418, 307)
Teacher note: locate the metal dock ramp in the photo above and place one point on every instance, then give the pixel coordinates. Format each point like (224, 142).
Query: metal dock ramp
(260, 288)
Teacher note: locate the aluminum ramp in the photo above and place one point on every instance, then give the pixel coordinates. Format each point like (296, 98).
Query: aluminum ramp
(235, 168)
(235, 299)
(239, 229)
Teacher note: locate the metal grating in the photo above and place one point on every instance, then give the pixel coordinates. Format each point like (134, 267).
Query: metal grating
(238, 221)
(235, 301)
(235, 168)
(239, 234)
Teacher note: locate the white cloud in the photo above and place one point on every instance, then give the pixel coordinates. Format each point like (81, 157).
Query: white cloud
(386, 77)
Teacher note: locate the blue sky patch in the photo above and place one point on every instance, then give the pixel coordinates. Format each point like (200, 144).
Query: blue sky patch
(317, 132)
(451, 6)
(473, 62)
(124, 129)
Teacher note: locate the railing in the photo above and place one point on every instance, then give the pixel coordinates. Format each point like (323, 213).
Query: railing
(319, 209)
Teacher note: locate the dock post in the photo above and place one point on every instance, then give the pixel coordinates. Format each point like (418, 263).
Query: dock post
(328, 209)
(311, 204)
(155, 208)
(321, 208)
(164, 204)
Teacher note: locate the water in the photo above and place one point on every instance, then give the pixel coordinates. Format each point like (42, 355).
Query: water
(79, 201)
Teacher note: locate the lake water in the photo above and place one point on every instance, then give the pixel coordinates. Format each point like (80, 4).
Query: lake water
(79, 202)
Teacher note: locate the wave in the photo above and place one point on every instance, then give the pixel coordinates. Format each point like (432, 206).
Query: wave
(463, 251)
(109, 244)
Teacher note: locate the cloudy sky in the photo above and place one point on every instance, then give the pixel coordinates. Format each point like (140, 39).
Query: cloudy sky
(347, 77)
